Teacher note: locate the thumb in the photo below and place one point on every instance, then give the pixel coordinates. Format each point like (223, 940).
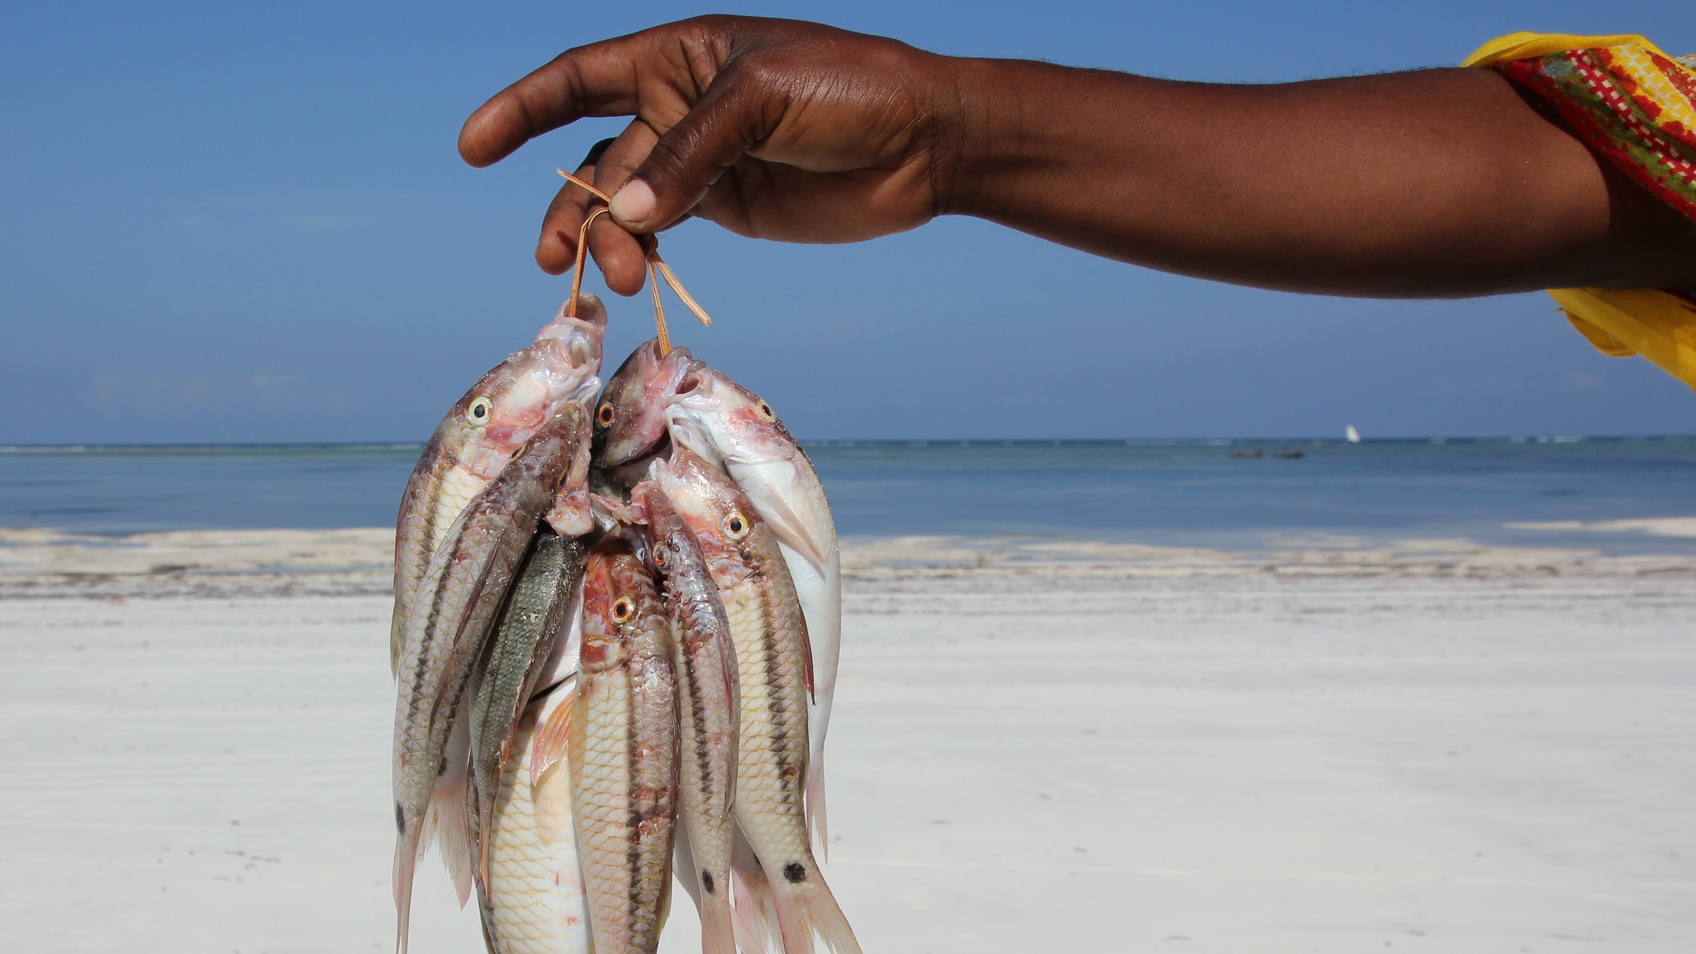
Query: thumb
(735, 114)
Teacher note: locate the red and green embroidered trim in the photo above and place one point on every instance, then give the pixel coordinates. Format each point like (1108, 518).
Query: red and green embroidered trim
(1606, 106)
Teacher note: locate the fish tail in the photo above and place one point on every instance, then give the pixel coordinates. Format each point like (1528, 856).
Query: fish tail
(718, 929)
(406, 861)
(754, 919)
(808, 907)
(748, 940)
(446, 824)
(817, 827)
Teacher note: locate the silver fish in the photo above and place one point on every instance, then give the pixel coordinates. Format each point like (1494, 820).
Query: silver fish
(770, 637)
(630, 418)
(623, 751)
(736, 430)
(479, 435)
(462, 591)
(532, 901)
(708, 710)
(532, 620)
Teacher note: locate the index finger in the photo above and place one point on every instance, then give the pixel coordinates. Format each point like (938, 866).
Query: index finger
(600, 79)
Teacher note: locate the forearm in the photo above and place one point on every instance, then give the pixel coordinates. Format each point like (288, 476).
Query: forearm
(1426, 184)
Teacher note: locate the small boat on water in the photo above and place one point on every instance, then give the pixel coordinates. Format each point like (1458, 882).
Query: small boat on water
(1352, 434)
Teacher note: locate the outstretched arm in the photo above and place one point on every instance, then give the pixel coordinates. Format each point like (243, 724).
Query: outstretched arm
(1435, 183)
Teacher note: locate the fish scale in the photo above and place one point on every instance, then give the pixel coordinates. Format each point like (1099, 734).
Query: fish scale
(731, 427)
(770, 676)
(624, 753)
(474, 440)
(708, 707)
(466, 586)
(531, 622)
(533, 902)
(770, 637)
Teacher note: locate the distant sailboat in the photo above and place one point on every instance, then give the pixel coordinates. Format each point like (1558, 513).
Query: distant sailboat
(1352, 434)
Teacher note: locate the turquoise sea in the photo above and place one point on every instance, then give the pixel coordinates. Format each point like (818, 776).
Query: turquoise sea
(1200, 493)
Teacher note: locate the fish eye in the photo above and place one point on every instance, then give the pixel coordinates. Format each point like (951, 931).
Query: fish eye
(480, 410)
(735, 526)
(662, 556)
(623, 609)
(766, 411)
(604, 414)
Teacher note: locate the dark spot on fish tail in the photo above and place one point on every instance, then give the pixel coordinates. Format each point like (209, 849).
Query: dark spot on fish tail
(794, 872)
(707, 882)
(400, 818)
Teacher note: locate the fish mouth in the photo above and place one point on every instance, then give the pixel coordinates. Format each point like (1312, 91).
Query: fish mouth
(689, 433)
(688, 384)
(694, 379)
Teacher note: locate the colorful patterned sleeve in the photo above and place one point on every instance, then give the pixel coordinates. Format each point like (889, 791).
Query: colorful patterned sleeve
(1636, 106)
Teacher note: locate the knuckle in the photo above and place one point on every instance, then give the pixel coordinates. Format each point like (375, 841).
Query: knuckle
(670, 156)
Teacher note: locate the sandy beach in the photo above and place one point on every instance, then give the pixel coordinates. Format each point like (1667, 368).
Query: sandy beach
(1039, 745)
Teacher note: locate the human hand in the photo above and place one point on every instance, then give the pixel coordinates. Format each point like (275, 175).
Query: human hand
(774, 129)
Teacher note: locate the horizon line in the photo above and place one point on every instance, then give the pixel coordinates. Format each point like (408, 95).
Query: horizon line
(914, 441)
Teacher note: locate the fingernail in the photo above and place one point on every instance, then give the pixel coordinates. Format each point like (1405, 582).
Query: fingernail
(633, 203)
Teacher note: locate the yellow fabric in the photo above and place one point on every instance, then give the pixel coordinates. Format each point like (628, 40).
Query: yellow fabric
(1630, 49)
(1622, 322)
(1526, 46)
(1619, 322)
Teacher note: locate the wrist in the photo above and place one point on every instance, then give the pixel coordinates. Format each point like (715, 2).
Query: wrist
(980, 138)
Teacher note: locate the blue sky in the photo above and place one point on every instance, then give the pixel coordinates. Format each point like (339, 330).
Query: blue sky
(231, 222)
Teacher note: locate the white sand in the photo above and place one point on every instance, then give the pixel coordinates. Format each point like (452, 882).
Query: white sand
(1037, 746)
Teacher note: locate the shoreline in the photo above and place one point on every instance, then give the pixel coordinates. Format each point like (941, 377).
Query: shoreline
(1432, 746)
(45, 564)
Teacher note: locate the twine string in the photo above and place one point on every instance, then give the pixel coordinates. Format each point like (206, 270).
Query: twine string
(656, 266)
(659, 311)
(582, 255)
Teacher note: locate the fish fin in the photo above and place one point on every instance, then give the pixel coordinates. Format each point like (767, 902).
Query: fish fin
(791, 529)
(749, 938)
(718, 928)
(733, 691)
(446, 824)
(683, 866)
(406, 863)
(552, 741)
(483, 818)
(807, 907)
(397, 639)
(807, 670)
(751, 913)
(806, 634)
(481, 813)
(755, 915)
(816, 824)
(475, 827)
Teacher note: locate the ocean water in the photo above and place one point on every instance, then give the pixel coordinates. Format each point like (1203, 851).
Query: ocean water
(1188, 493)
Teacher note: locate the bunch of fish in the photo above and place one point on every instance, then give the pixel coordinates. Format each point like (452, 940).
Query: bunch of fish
(615, 639)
